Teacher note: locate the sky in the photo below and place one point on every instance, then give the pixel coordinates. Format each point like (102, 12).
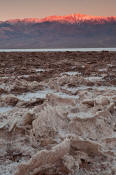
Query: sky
(12, 9)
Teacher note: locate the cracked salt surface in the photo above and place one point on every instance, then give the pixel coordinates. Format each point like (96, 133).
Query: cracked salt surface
(6, 87)
(71, 73)
(81, 115)
(8, 170)
(22, 76)
(25, 76)
(5, 109)
(101, 88)
(64, 95)
(4, 77)
(105, 88)
(3, 86)
(40, 70)
(75, 89)
(42, 94)
(15, 76)
(109, 65)
(38, 94)
(84, 115)
(94, 79)
(102, 70)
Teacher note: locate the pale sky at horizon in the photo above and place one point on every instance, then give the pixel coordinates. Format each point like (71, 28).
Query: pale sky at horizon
(11, 9)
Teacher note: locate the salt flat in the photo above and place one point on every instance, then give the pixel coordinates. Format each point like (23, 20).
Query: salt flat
(58, 113)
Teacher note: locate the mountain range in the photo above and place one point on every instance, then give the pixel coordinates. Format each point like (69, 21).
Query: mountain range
(71, 31)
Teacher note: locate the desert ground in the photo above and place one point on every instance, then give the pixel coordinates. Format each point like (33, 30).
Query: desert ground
(58, 113)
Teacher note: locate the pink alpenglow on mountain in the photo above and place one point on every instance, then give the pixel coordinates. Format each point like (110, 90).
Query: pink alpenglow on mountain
(73, 18)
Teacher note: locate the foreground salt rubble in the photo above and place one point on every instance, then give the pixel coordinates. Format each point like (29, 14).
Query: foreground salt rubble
(46, 140)
(65, 125)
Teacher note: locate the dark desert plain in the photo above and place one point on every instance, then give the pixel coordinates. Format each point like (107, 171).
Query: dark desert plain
(58, 113)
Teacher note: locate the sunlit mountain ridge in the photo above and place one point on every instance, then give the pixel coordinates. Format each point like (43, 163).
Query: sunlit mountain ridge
(73, 18)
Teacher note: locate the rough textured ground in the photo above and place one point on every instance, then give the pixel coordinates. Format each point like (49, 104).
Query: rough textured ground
(58, 113)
